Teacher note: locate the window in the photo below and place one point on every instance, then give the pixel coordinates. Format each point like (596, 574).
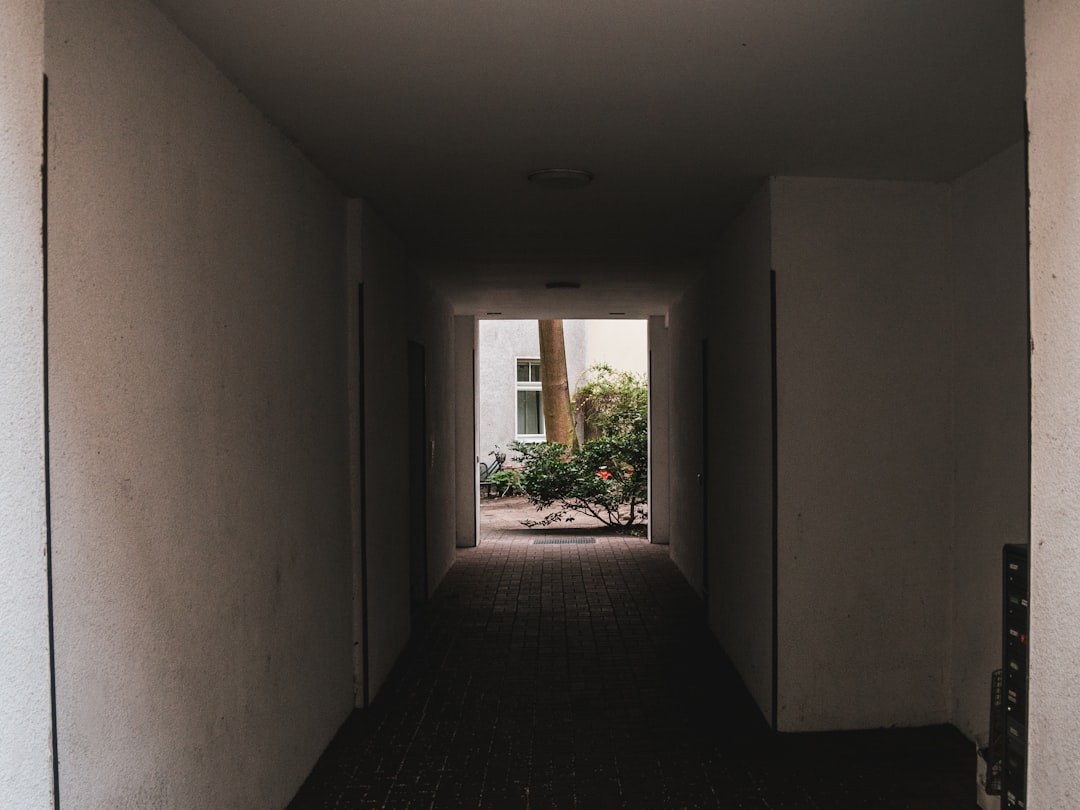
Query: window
(530, 405)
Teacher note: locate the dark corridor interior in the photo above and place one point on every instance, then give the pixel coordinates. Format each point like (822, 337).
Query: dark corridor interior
(582, 676)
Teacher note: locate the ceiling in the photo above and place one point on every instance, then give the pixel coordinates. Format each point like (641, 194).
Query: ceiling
(435, 111)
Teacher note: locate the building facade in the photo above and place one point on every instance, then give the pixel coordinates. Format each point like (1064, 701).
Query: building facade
(510, 396)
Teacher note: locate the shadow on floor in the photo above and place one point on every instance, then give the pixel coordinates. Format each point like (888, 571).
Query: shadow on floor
(583, 676)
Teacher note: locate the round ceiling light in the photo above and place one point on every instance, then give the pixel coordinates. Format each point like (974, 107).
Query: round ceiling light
(561, 178)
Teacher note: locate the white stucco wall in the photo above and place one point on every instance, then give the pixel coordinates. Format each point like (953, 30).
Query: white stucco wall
(578, 356)
(990, 380)
(501, 342)
(433, 328)
(1053, 99)
(621, 344)
(198, 418)
(865, 452)
(386, 334)
(398, 307)
(25, 707)
(658, 368)
(466, 432)
(686, 436)
(739, 485)
(902, 374)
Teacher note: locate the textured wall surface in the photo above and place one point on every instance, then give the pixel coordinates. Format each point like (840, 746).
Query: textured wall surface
(686, 458)
(433, 328)
(466, 470)
(501, 343)
(865, 452)
(397, 308)
(902, 374)
(1053, 47)
(622, 344)
(200, 480)
(659, 362)
(739, 485)
(988, 257)
(25, 709)
(386, 335)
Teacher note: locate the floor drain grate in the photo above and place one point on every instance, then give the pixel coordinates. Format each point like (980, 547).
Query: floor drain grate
(564, 541)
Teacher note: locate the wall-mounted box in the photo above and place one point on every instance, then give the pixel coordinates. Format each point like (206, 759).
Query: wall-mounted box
(1015, 646)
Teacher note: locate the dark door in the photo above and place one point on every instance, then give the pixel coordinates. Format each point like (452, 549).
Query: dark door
(775, 507)
(703, 476)
(362, 449)
(418, 464)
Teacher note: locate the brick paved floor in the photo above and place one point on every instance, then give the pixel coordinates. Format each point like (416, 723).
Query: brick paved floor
(582, 676)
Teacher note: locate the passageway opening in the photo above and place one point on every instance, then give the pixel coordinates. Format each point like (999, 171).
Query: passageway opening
(607, 393)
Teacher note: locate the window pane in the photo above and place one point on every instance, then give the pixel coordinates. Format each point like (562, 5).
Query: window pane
(528, 370)
(530, 413)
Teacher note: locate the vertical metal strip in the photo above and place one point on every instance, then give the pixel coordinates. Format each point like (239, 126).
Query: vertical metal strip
(365, 646)
(775, 507)
(650, 445)
(45, 408)
(474, 371)
(704, 482)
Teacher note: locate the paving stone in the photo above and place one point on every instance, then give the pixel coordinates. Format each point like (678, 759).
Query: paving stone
(583, 676)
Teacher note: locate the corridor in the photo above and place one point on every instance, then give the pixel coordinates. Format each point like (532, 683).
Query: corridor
(582, 675)
(226, 227)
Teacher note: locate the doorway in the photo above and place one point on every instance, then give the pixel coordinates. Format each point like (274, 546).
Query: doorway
(418, 465)
(607, 380)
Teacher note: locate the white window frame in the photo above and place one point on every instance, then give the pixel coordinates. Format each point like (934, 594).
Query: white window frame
(522, 385)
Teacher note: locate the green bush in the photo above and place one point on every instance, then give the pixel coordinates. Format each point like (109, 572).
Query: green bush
(508, 482)
(611, 403)
(607, 477)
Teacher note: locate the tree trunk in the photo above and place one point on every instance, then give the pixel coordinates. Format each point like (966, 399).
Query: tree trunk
(558, 424)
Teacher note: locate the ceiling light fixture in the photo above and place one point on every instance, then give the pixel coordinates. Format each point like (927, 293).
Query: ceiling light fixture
(563, 285)
(561, 178)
